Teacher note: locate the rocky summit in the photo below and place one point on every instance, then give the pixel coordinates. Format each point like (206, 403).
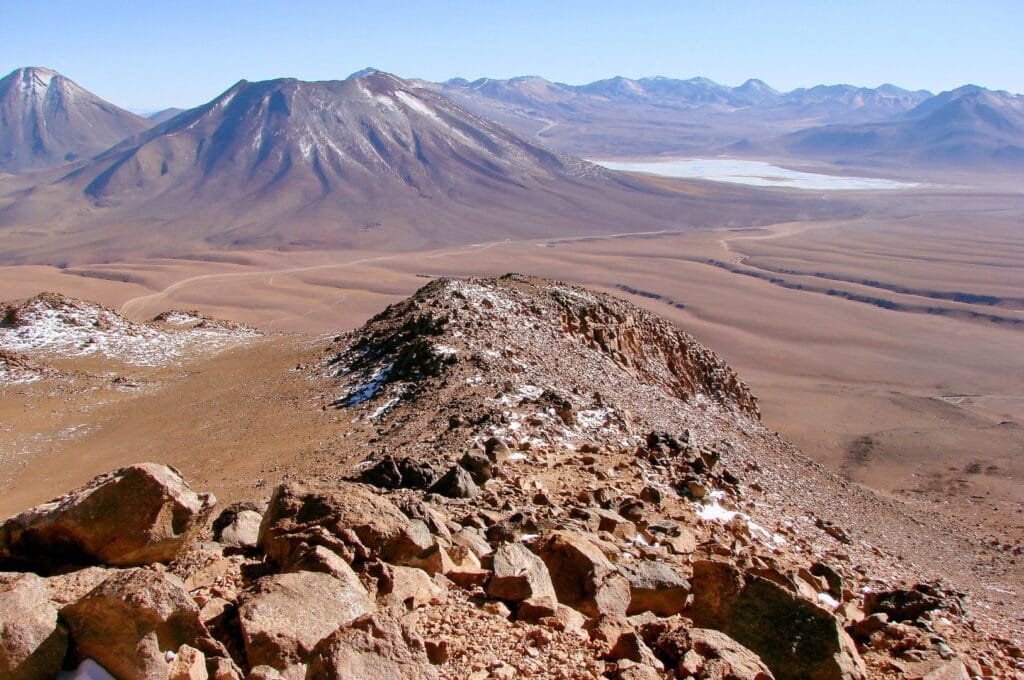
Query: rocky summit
(531, 479)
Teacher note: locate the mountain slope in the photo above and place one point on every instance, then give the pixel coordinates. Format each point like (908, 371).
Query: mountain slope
(372, 162)
(966, 127)
(47, 119)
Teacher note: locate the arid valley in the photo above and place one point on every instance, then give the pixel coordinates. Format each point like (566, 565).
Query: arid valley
(388, 378)
(888, 346)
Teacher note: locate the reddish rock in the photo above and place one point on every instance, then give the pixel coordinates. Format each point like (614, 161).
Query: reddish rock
(347, 518)
(655, 587)
(286, 615)
(32, 641)
(582, 576)
(132, 516)
(374, 647)
(129, 622)
(794, 638)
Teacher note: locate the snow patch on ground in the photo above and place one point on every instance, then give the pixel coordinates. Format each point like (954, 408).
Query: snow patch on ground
(714, 511)
(366, 391)
(73, 328)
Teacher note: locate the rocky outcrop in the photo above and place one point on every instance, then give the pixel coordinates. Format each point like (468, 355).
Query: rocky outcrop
(132, 516)
(794, 638)
(32, 640)
(347, 518)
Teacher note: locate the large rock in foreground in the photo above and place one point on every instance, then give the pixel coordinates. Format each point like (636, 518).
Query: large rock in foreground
(286, 615)
(32, 641)
(376, 647)
(129, 517)
(129, 622)
(795, 638)
(347, 518)
(583, 577)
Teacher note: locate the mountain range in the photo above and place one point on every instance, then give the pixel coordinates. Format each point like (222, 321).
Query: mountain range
(968, 126)
(371, 162)
(377, 162)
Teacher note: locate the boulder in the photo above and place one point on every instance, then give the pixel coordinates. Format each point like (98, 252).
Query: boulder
(32, 641)
(396, 473)
(374, 647)
(132, 516)
(405, 587)
(349, 519)
(497, 451)
(131, 620)
(615, 524)
(793, 637)
(582, 576)
(900, 605)
(238, 525)
(286, 615)
(478, 465)
(456, 483)
(70, 587)
(654, 587)
(705, 653)
(520, 575)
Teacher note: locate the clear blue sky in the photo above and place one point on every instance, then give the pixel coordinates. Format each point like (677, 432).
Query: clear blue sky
(152, 54)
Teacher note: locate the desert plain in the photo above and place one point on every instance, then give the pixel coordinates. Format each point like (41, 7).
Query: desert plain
(887, 346)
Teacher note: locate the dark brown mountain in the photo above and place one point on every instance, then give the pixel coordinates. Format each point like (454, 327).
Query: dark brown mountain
(966, 127)
(47, 120)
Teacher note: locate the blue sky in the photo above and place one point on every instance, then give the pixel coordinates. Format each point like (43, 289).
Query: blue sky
(148, 55)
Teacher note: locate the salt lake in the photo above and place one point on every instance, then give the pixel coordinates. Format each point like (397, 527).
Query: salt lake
(754, 173)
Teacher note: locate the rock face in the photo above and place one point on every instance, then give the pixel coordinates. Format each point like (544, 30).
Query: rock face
(129, 622)
(348, 518)
(286, 615)
(132, 516)
(793, 637)
(583, 577)
(374, 647)
(32, 641)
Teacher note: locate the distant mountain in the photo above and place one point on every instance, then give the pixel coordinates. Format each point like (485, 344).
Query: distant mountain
(372, 162)
(848, 104)
(47, 119)
(164, 115)
(968, 126)
(622, 116)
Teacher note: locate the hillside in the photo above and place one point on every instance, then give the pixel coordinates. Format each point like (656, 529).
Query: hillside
(48, 120)
(493, 478)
